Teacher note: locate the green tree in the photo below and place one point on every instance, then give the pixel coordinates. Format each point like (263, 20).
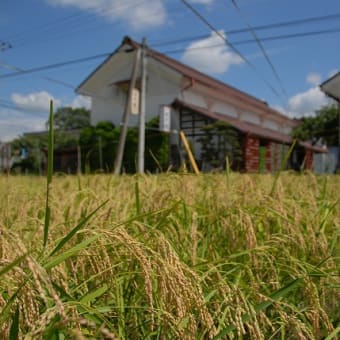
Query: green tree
(220, 140)
(325, 125)
(68, 118)
(99, 144)
(156, 147)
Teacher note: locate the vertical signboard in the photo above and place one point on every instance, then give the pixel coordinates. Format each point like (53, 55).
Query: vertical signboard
(135, 101)
(165, 119)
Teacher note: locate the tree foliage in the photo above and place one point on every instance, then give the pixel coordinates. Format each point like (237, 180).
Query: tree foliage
(99, 144)
(325, 125)
(220, 141)
(68, 118)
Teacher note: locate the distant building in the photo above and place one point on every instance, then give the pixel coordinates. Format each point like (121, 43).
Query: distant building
(331, 87)
(5, 157)
(194, 100)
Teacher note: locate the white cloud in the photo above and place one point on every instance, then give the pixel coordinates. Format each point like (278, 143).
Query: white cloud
(211, 55)
(36, 101)
(16, 122)
(81, 101)
(313, 78)
(13, 123)
(306, 103)
(138, 14)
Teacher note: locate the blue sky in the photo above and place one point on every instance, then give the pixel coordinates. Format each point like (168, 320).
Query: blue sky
(43, 32)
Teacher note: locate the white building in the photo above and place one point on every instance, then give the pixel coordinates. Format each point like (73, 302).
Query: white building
(195, 99)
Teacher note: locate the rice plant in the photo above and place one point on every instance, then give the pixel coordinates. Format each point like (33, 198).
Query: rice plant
(170, 256)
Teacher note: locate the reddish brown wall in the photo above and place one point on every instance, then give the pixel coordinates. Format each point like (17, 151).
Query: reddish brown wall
(309, 160)
(269, 157)
(251, 154)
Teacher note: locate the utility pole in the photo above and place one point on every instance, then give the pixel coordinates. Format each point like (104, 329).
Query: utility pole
(338, 165)
(125, 120)
(141, 134)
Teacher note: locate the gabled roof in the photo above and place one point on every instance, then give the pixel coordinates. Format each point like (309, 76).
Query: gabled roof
(198, 77)
(332, 87)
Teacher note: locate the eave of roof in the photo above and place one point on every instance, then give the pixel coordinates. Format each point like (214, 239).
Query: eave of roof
(246, 127)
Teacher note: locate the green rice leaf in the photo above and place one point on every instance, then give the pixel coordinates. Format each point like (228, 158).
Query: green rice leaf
(282, 292)
(81, 224)
(283, 166)
(94, 294)
(334, 334)
(11, 265)
(69, 253)
(49, 175)
(4, 315)
(14, 331)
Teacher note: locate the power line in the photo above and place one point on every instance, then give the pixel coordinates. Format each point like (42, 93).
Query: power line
(9, 105)
(47, 67)
(263, 50)
(75, 26)
(54, 26)
(250, 41)
(241, 42)
(52, 80)
(290, 23)
(207, 23)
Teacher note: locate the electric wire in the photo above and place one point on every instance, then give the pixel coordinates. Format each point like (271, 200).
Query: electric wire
(251, 65)
(174, 51)
(56, 65)
(52, 27)
(263, 50)
(251, 41)
(265, 27)
(76, 26)
(52, 80)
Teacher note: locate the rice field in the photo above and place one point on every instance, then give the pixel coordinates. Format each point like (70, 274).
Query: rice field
(172, 256)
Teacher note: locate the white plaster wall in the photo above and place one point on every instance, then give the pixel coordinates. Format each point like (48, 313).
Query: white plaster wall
(224, 108)
(286, 129)
(194, 98)
(251, 118)
(109, 102)
(269, 124)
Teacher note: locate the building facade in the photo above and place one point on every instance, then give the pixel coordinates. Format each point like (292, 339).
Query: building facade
(195, 100)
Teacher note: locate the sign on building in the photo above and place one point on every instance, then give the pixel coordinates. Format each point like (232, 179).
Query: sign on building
(165, 119)
(135, 101)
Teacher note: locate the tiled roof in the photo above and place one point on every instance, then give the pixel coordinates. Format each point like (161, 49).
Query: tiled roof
(213, 83)
(247, 127)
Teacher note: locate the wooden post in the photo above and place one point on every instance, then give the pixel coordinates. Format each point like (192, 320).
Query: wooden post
(338, 166)
(125, 120)
(188, 150)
